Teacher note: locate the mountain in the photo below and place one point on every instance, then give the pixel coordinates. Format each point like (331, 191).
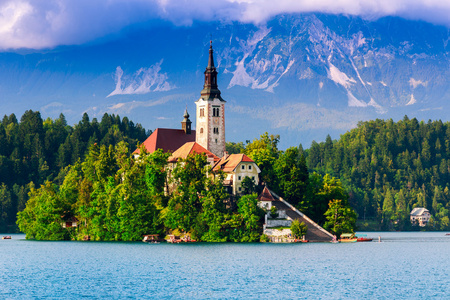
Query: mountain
(299, 75)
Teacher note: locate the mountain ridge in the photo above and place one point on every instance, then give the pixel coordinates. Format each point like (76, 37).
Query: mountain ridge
(298, 75)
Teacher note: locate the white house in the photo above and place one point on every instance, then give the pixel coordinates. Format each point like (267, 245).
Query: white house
(420, 216)
(236, 167)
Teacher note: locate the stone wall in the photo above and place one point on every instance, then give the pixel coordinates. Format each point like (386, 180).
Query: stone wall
(277, 232)
(277, 222)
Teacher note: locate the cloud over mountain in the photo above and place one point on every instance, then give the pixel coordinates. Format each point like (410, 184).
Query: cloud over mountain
(41, 24)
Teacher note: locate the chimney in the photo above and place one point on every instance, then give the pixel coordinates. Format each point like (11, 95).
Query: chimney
(210, 160)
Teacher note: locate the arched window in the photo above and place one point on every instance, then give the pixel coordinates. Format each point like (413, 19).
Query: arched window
(201, 130)
(216, 112)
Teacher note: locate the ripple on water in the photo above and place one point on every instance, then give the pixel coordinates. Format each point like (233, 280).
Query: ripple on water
(404, 265)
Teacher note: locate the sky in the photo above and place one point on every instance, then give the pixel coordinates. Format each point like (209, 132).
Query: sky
(37, 24)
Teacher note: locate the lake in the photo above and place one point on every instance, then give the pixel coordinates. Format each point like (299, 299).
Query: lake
(404, 265)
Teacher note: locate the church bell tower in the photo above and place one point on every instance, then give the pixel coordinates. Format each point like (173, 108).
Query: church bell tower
(210, 123)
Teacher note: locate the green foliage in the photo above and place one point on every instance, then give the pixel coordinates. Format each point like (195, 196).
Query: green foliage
(248, 186)
(264, 153)
(389, 167)
(298, 229)
(250, 213)
(341, 218)
(234, 148)
(273, 212)
(292, 175)
(37, 150)
(41, 219)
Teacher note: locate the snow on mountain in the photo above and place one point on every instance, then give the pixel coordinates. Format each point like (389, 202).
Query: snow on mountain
(307, 74)
(143, 81)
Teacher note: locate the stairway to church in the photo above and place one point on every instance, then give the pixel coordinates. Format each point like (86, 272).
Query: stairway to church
(315, 233)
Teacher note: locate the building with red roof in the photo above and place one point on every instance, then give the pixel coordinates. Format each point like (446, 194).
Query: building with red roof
(237, 167)
(192, 148)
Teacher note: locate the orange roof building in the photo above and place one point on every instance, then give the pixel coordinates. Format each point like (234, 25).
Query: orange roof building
(190, 148)
(266, 198)
(237, 167)
(166, 139)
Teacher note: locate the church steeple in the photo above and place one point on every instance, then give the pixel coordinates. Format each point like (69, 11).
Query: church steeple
(210, 121)
(210, 88)
(186, 123)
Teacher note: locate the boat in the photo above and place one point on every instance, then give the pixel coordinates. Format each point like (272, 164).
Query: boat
(348, 238)
(6, 237)
(363, 238)
(176, 239)
(151, 238)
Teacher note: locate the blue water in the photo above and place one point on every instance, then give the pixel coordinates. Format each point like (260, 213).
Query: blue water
(402, 266)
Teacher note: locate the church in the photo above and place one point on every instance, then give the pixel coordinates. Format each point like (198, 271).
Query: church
(208, 138)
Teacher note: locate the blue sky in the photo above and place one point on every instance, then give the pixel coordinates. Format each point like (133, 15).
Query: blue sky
(75, 56)
(38, 24)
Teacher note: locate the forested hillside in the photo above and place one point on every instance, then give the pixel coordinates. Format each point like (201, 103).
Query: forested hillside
(389, 168)
(34, 150)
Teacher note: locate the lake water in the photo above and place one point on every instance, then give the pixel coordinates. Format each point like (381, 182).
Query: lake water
(403, 266)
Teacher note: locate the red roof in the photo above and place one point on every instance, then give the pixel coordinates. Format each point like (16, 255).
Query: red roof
(229, 163)
(266, 195)
(190, 148)
(167, 140)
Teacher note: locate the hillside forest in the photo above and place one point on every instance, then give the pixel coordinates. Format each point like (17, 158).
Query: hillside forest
(116, 196)
(387, 168)
(382, 169)
(33, 151)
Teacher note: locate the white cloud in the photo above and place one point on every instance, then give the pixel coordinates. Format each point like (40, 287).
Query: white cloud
(145, 80)
(415, 83)
(42, 24)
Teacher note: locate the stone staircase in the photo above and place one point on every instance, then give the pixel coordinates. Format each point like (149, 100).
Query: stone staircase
(315, 232)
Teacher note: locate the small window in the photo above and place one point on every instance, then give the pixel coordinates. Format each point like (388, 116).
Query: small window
(216, 130)
(243, 167)
(239, 189)
(239, 177)
(253, 177)
(249, 167)
(201, 130)
(202, 112)
(216, 141)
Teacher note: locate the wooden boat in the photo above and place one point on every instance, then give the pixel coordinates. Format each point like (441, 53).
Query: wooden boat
(176, 239)
(173, 239)
(363, 238)
(151, 238)
(348, 238)
(6, 237)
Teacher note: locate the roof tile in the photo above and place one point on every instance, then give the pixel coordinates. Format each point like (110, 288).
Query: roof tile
(167, 140)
